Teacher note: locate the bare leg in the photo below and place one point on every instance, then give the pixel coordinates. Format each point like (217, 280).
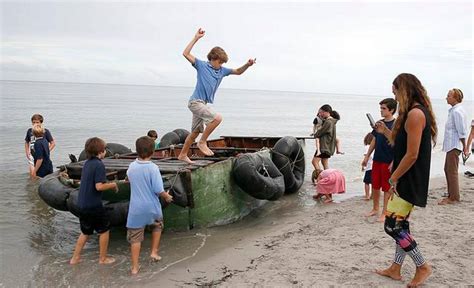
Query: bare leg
(103, 246)
(202, 144)
(338, 147)
(392, 272)
(81, 241)
(376, 199)
(316, 162)
(386, 197)
(135, 251)
(155, 245)
(32, 170)
(422, 273)
(325, 162)
(367, 191)
(183, 156)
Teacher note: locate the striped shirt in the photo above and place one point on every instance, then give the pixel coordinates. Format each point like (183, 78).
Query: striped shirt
(455, 129)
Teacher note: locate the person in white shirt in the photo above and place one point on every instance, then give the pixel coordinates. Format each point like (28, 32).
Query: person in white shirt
(454, 143)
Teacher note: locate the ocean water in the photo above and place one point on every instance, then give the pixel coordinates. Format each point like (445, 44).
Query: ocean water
(37, 241)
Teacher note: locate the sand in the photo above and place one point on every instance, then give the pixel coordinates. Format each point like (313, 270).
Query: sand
(335, 245)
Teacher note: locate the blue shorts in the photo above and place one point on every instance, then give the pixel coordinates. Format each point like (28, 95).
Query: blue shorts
(368, 177)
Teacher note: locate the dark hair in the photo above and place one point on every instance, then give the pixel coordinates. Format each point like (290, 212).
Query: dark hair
(37, 117)
(94, 146)
(326, 108)
(390, 103)
(152, 134)
(335, 115)
(368, 138)
(145, 147)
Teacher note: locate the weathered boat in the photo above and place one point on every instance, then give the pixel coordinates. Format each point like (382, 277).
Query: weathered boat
(217, 190)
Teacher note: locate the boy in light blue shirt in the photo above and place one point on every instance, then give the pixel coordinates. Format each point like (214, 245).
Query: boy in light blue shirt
(145, 209)
(209, 77)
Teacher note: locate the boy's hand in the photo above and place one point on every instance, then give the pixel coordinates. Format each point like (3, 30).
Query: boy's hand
(199, 34)
(252, 61)
(166, 196)
(116, 189)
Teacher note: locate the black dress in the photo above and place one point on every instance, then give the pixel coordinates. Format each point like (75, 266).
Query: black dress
(413, 185)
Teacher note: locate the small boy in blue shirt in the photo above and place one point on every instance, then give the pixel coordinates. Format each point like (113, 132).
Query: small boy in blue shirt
(92, 213)
(209, 77)
(42, 162)
(145, 209)
(30, 141)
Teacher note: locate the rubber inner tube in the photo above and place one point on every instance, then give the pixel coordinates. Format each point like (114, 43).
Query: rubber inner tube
(110, 150)
(288, 156)
(258, 176)
(170, 138)
(54, 192)
(182, 133)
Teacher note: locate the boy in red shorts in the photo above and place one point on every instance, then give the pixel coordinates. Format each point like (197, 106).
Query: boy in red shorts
(383, 156)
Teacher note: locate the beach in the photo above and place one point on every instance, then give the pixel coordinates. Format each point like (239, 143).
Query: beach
(335, 245)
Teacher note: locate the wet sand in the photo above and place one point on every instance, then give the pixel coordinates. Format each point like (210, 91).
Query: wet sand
(333, 245)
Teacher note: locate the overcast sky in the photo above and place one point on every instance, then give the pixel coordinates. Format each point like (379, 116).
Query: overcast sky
(345, 47)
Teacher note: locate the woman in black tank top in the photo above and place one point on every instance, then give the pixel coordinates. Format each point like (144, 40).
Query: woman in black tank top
(413, 132)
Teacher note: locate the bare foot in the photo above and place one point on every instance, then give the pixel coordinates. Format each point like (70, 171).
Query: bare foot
(327, 201)
(204, 149)
(107, 260)
(367, 198)
(317, 196)
(186, 159)
(155, 258)
(381, 218)
(422, 273)
(134, 271)
(340, 152)
(392, 272)
(74, 261)
(372, 213)
(446, 201)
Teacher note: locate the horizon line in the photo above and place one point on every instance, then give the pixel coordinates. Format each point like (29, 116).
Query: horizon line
(152, 85)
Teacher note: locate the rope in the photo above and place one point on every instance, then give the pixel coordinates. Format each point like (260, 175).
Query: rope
(289, 161)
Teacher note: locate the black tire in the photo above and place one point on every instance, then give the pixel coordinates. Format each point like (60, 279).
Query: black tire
(258, 176)
(288, 156)
(182, 133)
(110, 150)
(170, 138)
(117, 212)
(54, 193)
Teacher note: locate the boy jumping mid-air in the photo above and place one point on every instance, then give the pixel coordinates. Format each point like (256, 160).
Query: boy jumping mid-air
(209, 77)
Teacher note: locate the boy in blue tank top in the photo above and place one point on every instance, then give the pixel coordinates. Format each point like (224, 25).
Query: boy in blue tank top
(145, 209)
(209, 77)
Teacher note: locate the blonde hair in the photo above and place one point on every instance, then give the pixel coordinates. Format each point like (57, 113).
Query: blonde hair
(217, 53)
(409, 91)
(38, 130)
(457, 94)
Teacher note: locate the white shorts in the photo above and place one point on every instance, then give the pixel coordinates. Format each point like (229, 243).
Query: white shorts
(31, 160)
(201, 114)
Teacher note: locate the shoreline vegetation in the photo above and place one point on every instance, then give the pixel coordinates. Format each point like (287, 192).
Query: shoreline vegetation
(334, 244)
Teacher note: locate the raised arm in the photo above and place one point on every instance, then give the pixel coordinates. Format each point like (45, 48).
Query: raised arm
(187, 51)
(242, 69)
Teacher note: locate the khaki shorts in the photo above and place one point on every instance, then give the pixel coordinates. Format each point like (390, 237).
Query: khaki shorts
(135, 235)
(201, 114)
